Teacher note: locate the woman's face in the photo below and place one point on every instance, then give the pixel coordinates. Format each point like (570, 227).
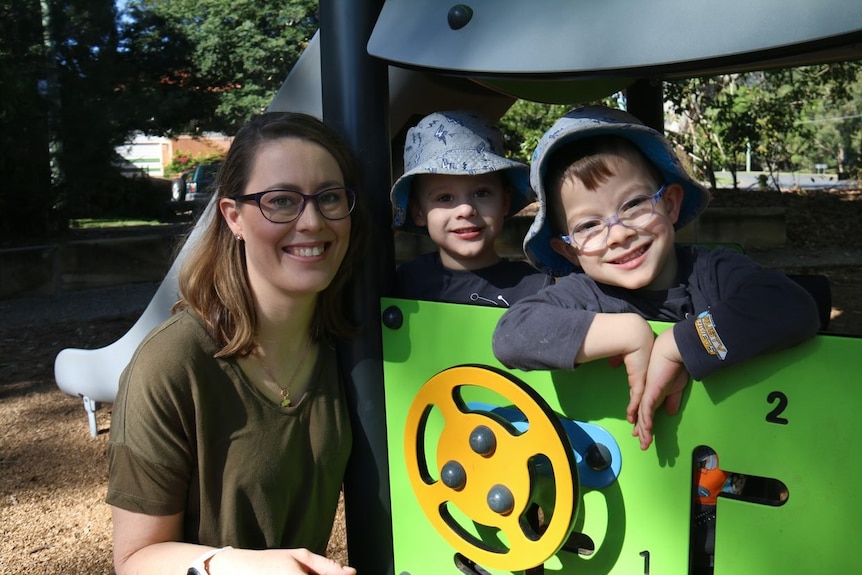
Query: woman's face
(299, 258)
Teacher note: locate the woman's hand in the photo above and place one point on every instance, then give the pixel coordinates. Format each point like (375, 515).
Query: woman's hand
(275, 562)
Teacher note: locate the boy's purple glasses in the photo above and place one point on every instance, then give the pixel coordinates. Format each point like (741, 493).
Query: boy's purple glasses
(592, 233)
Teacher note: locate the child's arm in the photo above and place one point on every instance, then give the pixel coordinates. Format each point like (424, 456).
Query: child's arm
(666, 379)
(750, 311)
(561, 327)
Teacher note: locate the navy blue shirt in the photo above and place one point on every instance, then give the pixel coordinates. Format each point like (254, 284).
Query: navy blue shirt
(727, 309)
(499, 285)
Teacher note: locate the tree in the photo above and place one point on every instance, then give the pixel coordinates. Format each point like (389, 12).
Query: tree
(525, 122)
(156, 87)
(233, 55)
(75, 75)
(836, 120)
(24, 169)
(692, 102)
(769, 114)
(55, 69)
(86, 39)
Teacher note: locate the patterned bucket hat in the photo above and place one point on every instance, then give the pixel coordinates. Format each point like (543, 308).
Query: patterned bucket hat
(590, 121)
(455, 143)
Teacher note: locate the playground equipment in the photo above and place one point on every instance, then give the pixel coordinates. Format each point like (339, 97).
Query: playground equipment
(774, 417)
(377, 65)
(94, 374)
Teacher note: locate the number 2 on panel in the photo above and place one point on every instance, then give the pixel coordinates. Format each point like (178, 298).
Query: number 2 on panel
(774, 416)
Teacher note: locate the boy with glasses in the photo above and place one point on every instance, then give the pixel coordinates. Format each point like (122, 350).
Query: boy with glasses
(612, 193)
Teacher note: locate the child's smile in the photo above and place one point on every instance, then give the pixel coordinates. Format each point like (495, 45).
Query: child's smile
(632, 259)
(629, 257)
(463, 214)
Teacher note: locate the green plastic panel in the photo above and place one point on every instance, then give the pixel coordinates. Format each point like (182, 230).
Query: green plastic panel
(791, 415)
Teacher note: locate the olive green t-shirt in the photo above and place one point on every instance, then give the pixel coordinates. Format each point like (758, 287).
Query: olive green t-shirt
(191, 434)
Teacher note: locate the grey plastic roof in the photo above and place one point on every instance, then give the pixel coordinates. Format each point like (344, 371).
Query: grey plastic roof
(588, 38)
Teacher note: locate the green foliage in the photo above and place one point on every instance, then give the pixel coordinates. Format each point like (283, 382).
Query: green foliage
(157, 86)
(25, 204)
(786, 119)
(233, 54)
(525, 122)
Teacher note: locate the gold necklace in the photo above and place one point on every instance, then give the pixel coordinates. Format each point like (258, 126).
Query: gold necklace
(285, 391)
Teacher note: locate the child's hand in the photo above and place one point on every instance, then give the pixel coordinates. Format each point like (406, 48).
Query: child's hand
(665, 381)
(625, 339)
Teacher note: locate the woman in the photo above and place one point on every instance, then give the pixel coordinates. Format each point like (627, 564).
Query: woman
(230, 433)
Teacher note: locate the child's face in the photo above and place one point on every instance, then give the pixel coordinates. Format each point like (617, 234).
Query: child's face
(631, 258)
(463, 214)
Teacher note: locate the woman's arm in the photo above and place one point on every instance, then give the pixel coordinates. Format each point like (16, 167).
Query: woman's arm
(150, 544)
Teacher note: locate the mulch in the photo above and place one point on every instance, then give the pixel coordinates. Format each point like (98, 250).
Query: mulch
(53, 474)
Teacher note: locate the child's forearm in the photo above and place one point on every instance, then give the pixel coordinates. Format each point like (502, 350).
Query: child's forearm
(615, 334)
(540, 336)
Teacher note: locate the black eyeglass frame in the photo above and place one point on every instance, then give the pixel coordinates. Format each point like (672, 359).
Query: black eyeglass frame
(351, 197)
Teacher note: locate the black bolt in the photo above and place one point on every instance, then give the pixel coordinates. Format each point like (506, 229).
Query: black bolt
(483, 441)
(598, 457)
(392, 317)
(459, 16)
(501, 500)
(453, 475)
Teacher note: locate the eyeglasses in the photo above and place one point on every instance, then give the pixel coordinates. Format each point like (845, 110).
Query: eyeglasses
(592, 233)
(284, 206)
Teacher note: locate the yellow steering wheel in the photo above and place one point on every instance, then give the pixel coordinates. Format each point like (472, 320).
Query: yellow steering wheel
(489, 470)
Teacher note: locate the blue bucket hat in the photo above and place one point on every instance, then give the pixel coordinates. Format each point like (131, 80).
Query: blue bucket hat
(457, 143)
(586, 122)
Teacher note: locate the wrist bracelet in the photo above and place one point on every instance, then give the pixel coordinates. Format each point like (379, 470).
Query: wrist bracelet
(200, 566)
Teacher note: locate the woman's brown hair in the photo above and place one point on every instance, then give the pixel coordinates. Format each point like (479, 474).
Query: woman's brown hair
(213, 280)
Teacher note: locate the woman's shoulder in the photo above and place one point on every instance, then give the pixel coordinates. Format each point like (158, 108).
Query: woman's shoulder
(179, 341)
(184, 328)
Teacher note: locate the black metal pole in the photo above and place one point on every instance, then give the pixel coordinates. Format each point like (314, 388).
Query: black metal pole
(355, 89)
(645, 100)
